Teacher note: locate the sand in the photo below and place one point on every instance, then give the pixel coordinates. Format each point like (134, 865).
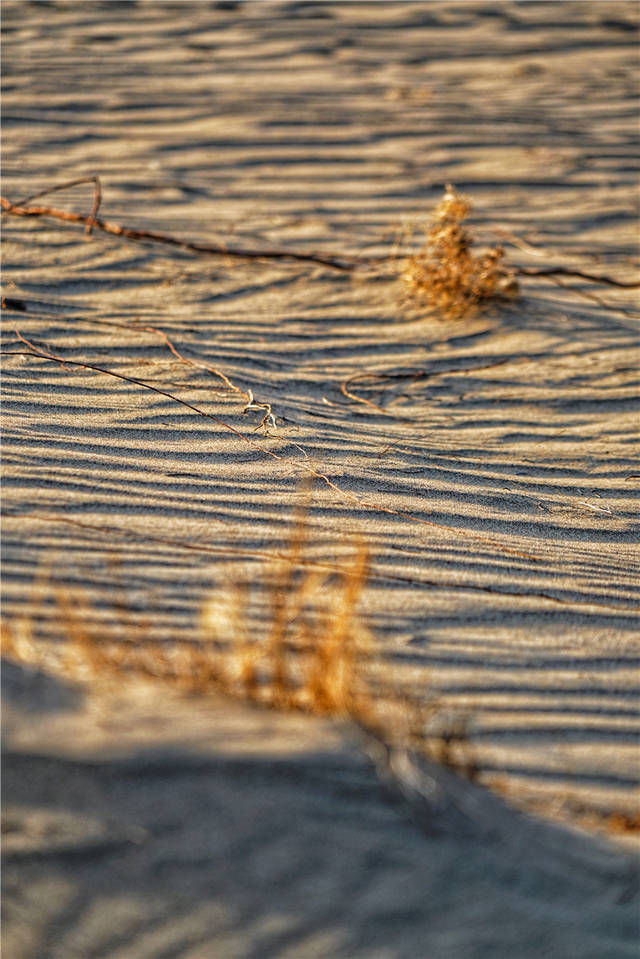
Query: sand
(494, 478)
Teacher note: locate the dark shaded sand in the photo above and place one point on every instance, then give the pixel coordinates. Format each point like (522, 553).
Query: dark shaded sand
(147, 828)
(494, 479)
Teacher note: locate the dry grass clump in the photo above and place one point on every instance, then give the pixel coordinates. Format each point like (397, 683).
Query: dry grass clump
(446, 273)
(312, 655)
(314, 652)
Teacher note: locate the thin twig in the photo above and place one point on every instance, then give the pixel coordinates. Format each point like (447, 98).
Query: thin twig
(415, 375)
(304, 467)
(522, 244)
(580, 274)
(97, 197)
(344, 262)
(252, 403)
(251, 552)
(64, 362)
(344, 389)
(592, 298)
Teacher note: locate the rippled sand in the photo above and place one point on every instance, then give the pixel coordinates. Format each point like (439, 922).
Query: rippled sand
(490, 464)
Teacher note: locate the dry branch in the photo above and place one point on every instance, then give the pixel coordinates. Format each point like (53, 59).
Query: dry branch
(343, 262)
(489, 277)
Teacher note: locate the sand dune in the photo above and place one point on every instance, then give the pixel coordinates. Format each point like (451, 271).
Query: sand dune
(490, 464)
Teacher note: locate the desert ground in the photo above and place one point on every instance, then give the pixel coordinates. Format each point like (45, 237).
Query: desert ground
(488, 463)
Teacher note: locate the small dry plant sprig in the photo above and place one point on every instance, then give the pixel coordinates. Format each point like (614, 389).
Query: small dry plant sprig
(446, 273)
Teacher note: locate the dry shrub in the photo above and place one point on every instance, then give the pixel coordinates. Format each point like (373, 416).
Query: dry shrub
(446, 273)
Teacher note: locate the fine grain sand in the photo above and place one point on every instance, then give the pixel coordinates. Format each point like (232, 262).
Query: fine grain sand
(492, 472)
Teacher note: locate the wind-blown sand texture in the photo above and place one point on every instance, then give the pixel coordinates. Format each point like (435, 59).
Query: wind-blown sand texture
(490, 464)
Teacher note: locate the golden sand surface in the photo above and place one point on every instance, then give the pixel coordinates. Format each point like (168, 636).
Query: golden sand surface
(489, 464)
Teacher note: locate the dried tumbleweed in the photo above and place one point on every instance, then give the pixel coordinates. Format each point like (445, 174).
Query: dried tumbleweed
(446, 273)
